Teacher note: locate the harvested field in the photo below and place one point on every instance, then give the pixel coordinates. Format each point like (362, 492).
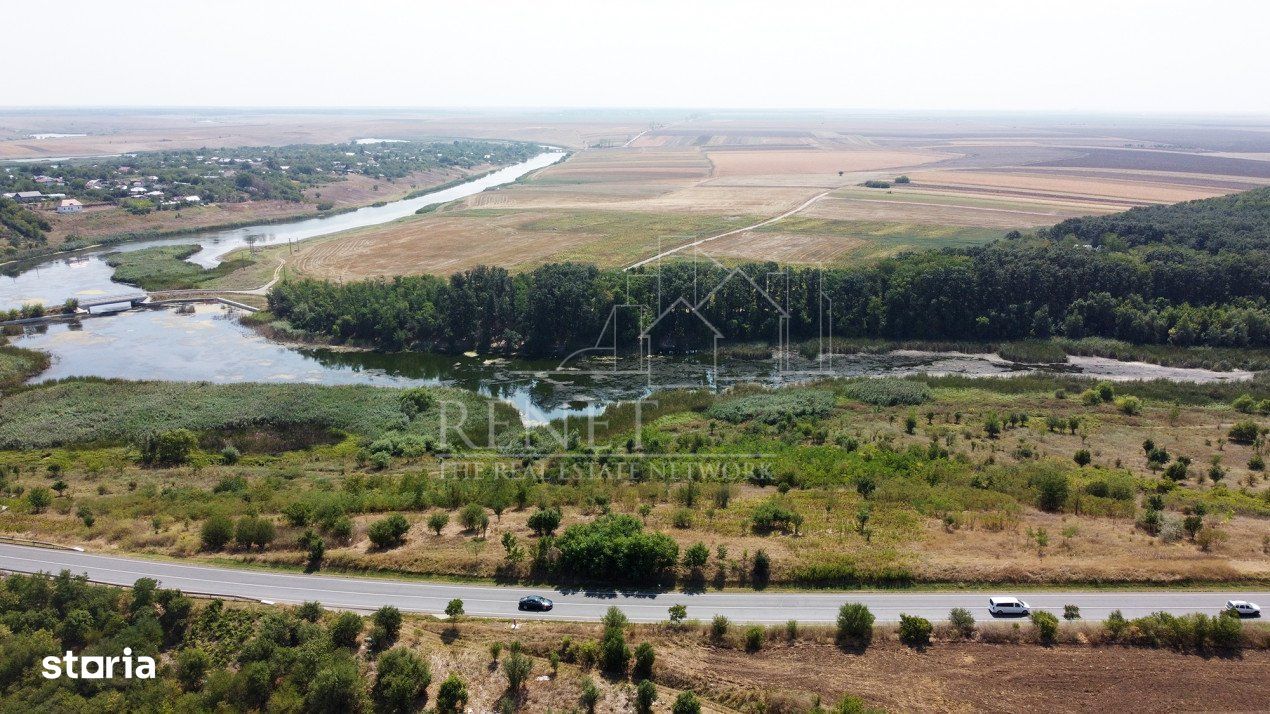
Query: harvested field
(1166, 161)
(939, 209)
(1042, 185)
(759, 163)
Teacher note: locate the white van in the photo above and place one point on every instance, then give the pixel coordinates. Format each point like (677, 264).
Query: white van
(1005, 606)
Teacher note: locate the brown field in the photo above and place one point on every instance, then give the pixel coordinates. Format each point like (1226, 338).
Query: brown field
(975, 173)
(789, 675)
(759, 163)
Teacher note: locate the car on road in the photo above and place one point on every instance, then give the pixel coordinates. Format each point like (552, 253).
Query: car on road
(536, 603)
(1008, 606)
(1243, 608)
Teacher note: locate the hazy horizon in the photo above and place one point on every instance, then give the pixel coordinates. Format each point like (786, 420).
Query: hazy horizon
(985, 56)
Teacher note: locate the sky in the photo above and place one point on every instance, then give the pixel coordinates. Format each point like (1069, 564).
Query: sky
(942, 55)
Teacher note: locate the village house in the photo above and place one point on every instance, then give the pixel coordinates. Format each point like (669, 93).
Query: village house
(70, 205)
(28, 196)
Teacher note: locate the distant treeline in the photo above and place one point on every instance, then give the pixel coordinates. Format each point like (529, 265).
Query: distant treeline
(1192, 274)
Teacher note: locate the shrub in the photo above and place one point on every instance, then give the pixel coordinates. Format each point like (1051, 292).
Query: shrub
(517, 668)
(452, 696)
(345, 629)
(437, 521)
(1051, 491)
(771, 515)
(388, 532)
(1082, 457)
(774, 407)
(1046, 624)
(855, 625)
(216, 532)
(545, 521)
(39, 498)
(1244, 432)
(915, 631)
(309, 611)
(1244, 403)
(686, 703)
(1071, 612)
(615, 656)
(645, 695)
(473, 518)
(644, 658)
(590, 695)
(962, 621)
(761, 571)
(401, 679)
(1129, 405)
(167, 448)
(387, 625)
(696, 555)
(253, 530)
(888, 391)
(677, 614)
(1116, 625)
(230, 455)
(753, 639)
(615, 547)
(1226, 632)
(719, 627)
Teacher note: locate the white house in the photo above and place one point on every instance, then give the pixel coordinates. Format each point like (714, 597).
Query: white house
(192, 199)
(70, 205)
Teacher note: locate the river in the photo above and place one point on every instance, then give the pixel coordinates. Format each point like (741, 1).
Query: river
(211, 345)
(86, 274)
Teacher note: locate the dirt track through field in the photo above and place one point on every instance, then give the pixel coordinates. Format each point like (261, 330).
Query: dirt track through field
(760, 224)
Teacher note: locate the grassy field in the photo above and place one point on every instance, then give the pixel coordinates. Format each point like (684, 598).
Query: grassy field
(17, 365)
(944, 498)
(165, 268)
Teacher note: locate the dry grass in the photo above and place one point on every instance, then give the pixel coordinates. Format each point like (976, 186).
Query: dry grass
(810, 161)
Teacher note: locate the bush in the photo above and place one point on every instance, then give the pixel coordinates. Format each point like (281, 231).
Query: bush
(771, 515)
(1129, 405)
(1051, 491)
(590, 695)
(761, 571)
(686, 703)
(1082, 457)
(1244, 432)
(1046, 624)
(888, 391)
(168, 448)
(962, 621)
(216, 533)
(473, 518)
(39, 498)
(387, 625)
(517, 668)
(545, 521)
(309, 611)
(754, 638)
(915, 631)
(645, 695)
(345, 629)
(401, 679)
(774, 407)
(719, 627)
(230, 455)
(855, 625)
(388, 532)
(253, 530)
(437, 521)
(1071, 612)
(615, 547)
(615, 656)
(644, 658)
(452, 696)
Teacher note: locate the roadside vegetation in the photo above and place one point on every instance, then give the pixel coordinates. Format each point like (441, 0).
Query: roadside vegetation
(232, 656)
(835, 484)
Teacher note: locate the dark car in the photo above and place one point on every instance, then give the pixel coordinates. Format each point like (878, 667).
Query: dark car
(535, 602)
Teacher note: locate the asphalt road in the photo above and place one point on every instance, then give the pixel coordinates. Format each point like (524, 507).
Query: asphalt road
(494, 601)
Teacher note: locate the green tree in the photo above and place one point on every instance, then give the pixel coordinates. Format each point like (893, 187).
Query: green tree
(517, 667)
(386, 626)
(168, 448)
(39, 499)
(1046, 624)
(644, 659)
(437, 521)
(686, 703)
(545, 521)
